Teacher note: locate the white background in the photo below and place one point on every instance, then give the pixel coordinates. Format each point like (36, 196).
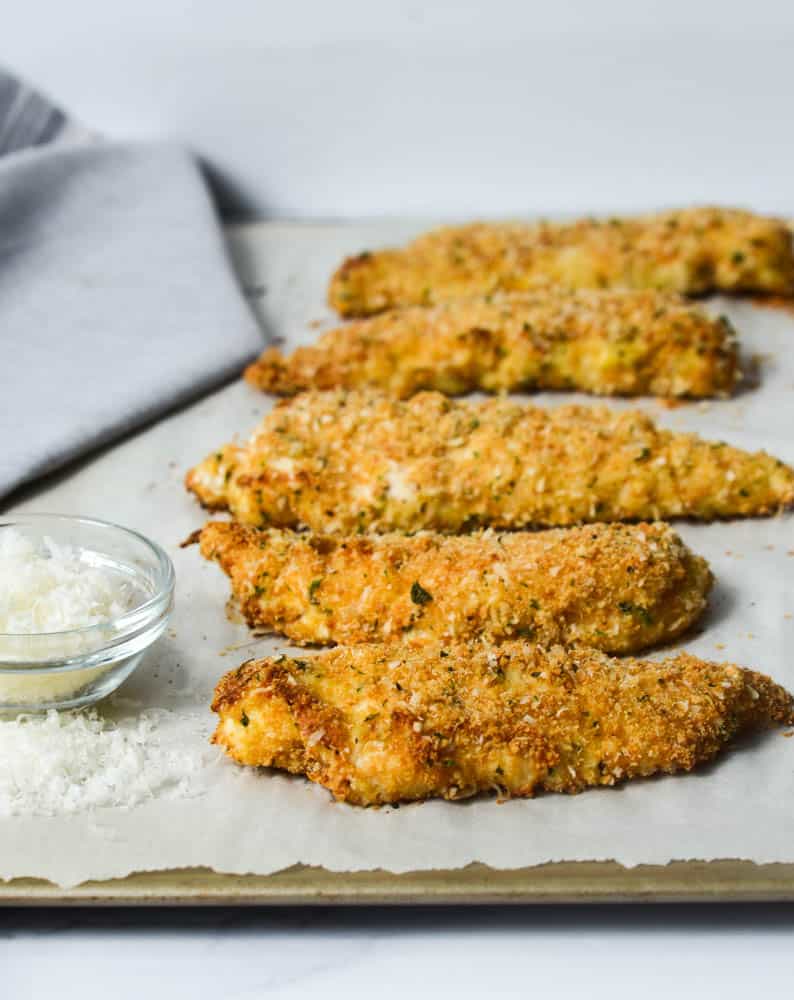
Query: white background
(365, 107)
(356, 108)
(543, 953)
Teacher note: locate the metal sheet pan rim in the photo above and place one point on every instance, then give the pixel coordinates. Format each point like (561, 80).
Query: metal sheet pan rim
(558, 882)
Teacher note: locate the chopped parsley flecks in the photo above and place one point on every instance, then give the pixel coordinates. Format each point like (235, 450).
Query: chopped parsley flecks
(419, 595)
(314, 586)
(636, 611)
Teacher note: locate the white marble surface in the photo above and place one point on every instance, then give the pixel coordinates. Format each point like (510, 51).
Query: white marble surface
(610, 952)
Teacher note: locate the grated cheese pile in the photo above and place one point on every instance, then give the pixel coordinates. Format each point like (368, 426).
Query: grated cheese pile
(49, 588)
(74, 761)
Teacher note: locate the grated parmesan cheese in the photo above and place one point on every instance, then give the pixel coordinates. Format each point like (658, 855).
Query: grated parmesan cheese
(49, 592)
(399, 487)
(70, 762)
(50, 588)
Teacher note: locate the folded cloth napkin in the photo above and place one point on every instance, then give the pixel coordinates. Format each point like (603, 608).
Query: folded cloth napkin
(117, 301)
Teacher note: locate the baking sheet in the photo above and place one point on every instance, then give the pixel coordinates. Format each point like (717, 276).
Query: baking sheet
(243, 821)
(561, 882)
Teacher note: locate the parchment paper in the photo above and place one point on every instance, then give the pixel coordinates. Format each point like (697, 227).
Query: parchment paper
(248, 821)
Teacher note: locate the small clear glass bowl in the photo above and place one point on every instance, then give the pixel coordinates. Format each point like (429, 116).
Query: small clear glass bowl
(79, 666)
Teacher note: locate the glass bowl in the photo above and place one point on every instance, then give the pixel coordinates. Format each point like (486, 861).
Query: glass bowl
(76, 667)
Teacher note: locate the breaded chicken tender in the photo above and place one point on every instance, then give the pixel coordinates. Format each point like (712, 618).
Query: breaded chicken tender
(378, 724)
(692, 251)
(343, 462)
(611, 343)
(619, 588)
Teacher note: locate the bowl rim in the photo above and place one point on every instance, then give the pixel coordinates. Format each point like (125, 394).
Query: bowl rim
(159, 601)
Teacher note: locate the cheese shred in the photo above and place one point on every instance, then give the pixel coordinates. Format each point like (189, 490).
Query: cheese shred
(54, 588)
(70, 762)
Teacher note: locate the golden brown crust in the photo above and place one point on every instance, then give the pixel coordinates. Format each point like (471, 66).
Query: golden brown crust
(619, 588)
(343, 462)
(618, 343)
(378, 724)
(210, 481)
(692, 251)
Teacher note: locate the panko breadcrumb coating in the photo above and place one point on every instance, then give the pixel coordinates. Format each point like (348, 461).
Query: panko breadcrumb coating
(619, 588)
(692, 251)
(611, 343)
(343, 462)
(379, 724)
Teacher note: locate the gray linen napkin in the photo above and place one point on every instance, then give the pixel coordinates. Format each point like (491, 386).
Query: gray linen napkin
(116, 298)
